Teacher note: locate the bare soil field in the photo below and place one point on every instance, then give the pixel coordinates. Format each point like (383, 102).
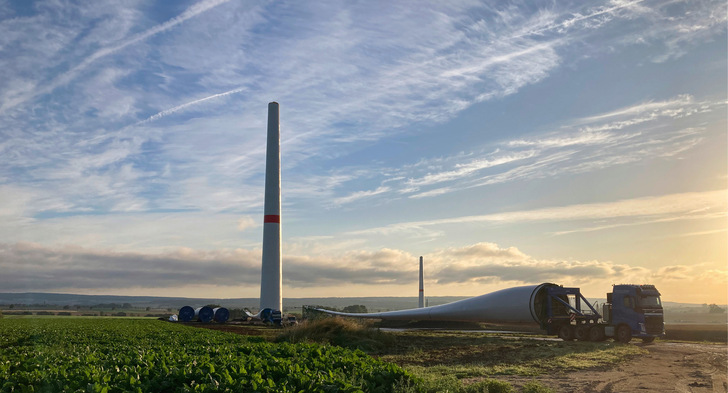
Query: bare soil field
(668, 367)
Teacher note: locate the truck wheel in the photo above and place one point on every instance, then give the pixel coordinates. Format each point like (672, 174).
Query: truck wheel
(581, 333)
(566, 332)
(623, 334)
(648, 340)
(596, 333)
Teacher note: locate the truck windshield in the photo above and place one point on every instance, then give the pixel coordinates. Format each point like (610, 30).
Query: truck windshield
(650, 301)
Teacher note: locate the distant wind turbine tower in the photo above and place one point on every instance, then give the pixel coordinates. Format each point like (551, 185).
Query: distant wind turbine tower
(271, 276)
(422, 285)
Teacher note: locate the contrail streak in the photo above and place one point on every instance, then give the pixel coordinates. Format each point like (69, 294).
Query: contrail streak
(569, 22)
(188, 104)
(187, 14)
(71, 74)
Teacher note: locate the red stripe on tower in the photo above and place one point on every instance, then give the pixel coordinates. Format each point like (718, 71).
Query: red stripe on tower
(271, 218)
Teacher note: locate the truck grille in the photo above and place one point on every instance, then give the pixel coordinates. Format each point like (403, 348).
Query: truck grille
(654, 324)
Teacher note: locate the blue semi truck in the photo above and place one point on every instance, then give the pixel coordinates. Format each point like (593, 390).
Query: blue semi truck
(630, 311)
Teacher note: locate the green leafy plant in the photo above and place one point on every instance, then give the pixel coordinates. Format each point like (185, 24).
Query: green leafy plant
(104, 355)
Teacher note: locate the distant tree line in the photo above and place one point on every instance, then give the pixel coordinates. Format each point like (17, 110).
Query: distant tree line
(112, 306)
(357, 308)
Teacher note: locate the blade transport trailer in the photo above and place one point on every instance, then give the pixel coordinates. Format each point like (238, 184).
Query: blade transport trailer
(630, 311)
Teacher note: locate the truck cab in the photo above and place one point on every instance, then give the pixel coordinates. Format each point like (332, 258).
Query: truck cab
(634, 311)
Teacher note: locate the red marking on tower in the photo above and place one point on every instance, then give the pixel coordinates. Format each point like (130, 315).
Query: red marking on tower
(271, 218)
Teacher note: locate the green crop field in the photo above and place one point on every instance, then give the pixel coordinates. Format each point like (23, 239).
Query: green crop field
(114, 355)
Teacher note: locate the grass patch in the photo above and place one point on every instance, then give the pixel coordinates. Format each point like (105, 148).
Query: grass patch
(490, 386)
(338, 331)
(464, 362)
(469, 354)
(446, 361)
(535, 387)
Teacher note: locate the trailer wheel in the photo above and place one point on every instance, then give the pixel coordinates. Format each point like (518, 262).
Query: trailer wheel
(596, 333)
(566, 332)
(648, 340)
(623, 334)
(581, 332)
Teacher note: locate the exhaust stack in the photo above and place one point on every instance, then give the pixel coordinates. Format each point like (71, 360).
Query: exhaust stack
(271, 278)
(422, 285)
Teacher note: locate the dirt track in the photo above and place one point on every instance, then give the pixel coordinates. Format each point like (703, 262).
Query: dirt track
(669, 367)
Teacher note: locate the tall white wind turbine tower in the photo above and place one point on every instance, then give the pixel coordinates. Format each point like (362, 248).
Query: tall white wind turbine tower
(271, 275)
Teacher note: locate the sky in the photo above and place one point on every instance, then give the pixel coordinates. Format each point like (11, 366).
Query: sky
(508, 143)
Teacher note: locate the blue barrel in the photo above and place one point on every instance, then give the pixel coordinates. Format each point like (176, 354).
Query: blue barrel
(186, 314)
(204, 314)
(221, 314)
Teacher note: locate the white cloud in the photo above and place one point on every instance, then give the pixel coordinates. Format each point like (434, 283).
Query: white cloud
(331, 69)
(587, 138)
(482, 251)
(639, 109)
(684, 206)
(71, 74)
(246, 223)
(636, 133)
(427, 194)
(703, 233)
(32, 267)
(35, 267)
(127, 230)
(359, 195)
(471, 168)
